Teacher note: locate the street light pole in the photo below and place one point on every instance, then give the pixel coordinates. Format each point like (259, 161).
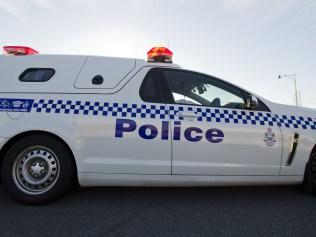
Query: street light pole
(296, 98)
(293, 78)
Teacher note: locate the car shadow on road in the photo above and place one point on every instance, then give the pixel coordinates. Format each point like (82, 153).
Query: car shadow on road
(118, 211)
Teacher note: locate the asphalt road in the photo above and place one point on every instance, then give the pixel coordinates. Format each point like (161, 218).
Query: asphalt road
(238, 211)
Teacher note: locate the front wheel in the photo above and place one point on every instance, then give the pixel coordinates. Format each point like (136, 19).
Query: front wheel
(310, 175)
(37, 169)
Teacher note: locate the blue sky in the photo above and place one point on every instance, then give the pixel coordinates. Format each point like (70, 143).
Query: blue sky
(247, 42)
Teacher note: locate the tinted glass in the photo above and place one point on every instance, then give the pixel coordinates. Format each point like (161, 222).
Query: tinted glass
(152, 87)
(196, 89)
(37, 75)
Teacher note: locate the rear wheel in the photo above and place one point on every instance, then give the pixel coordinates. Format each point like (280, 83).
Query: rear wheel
(37, 169)
(310, 175)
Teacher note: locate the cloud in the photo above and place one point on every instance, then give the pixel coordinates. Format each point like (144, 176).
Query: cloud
(11, 7)
(19, 8)
(240, 4)
(278, 10)
(48, 4)
(239, 12)
(265, 12)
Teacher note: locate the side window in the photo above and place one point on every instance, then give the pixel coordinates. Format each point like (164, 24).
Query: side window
(37, 75)
(197, 89)
(152, 89)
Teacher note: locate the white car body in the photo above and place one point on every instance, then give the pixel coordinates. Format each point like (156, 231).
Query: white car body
(254, 150)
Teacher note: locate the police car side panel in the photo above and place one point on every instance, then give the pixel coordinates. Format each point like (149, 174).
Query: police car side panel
(119, 151)
(106, 135)
(113, 71)
(294, 120)
(86, 121)
(241, 150)
(248, 149)
(15, 123)
(74, 74)
(88, 124)
(300, 121)
(66, 70)
(99, 179)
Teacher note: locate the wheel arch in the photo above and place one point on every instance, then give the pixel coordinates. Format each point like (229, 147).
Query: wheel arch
(313, 151)
(309, 158)
(17, 137)
(307, 184)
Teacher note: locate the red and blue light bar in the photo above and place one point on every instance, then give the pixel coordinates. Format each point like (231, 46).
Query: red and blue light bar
(159, 55)
(19, 50)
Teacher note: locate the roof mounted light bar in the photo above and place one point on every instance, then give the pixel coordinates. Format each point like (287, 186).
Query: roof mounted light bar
(159, 55)
(19, 50)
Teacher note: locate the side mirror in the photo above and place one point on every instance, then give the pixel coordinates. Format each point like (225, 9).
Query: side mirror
(252, 102)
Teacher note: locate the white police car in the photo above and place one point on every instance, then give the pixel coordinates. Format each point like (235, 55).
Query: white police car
(125, 122)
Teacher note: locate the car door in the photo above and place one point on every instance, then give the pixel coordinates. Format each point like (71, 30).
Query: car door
(213, 131)
(127, 132)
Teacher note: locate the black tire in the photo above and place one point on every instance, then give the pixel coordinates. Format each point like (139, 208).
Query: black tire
(310, 175)
(51, 163)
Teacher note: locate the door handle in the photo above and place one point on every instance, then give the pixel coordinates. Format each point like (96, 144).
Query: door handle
(188, 114)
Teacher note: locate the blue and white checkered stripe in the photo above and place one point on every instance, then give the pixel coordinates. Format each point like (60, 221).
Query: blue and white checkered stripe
(125, 110)
(104, 109)
(296, 122)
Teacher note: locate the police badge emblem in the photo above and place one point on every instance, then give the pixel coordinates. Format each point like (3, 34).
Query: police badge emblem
(269, 137)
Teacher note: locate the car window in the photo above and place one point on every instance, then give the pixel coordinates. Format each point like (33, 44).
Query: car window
(37, 75)
(151, 89)
(196, 89)
(182, 99)
(165, 85)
